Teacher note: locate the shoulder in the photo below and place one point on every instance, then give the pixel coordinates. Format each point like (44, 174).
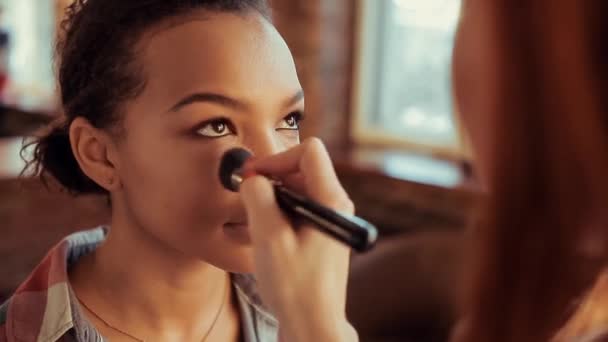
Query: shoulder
(40, 308)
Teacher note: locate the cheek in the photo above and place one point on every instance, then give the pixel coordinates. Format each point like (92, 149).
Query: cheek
(288, 139)
(174, 183)
(173, 194)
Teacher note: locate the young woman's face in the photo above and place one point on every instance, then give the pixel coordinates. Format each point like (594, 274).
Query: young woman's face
(214, 81)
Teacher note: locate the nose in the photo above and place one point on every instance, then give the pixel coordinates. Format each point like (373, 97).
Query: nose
(264, 142)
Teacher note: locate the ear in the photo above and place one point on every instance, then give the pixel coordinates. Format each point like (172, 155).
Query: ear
(95, 152)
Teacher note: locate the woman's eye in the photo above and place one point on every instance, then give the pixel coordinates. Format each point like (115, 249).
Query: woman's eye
(291, 121)
(215, 129)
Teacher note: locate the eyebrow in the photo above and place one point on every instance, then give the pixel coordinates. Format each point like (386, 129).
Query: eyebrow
(226, 101)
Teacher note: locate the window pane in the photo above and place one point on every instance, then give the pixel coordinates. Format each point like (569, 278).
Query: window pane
(414, 97)
(29, 28)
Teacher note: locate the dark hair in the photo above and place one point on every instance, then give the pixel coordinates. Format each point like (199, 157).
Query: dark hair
(98, 72)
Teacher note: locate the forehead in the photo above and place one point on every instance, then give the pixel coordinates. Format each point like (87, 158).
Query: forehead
(239, 53)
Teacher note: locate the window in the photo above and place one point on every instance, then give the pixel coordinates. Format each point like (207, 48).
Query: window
(29, 26)
(403, 93)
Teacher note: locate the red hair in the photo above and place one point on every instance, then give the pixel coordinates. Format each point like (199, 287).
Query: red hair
(542, 232)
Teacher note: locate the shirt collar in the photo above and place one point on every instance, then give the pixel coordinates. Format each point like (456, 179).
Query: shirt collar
(44, 307)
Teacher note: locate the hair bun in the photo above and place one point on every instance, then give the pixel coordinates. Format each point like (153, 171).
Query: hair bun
(52, 155)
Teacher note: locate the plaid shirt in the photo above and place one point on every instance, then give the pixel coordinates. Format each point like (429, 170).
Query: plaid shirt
(45, 309)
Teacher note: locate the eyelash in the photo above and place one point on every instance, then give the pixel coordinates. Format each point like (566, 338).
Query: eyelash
(223, 121)
(298, 116)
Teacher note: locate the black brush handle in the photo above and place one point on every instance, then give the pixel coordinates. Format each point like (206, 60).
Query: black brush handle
(359, 234)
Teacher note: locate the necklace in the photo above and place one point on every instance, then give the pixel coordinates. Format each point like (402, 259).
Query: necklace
(215, 319)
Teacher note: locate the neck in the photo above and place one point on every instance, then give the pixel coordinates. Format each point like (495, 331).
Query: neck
(132, 277)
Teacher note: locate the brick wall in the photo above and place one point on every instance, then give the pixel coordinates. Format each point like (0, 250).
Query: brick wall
(320, 36)
(33, 219)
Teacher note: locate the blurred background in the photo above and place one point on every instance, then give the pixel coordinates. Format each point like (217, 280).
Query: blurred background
(377, 79)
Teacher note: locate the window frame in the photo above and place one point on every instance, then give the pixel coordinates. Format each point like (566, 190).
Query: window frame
(365, 65)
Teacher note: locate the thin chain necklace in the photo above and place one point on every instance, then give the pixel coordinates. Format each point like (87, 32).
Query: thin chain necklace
(217, 316)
